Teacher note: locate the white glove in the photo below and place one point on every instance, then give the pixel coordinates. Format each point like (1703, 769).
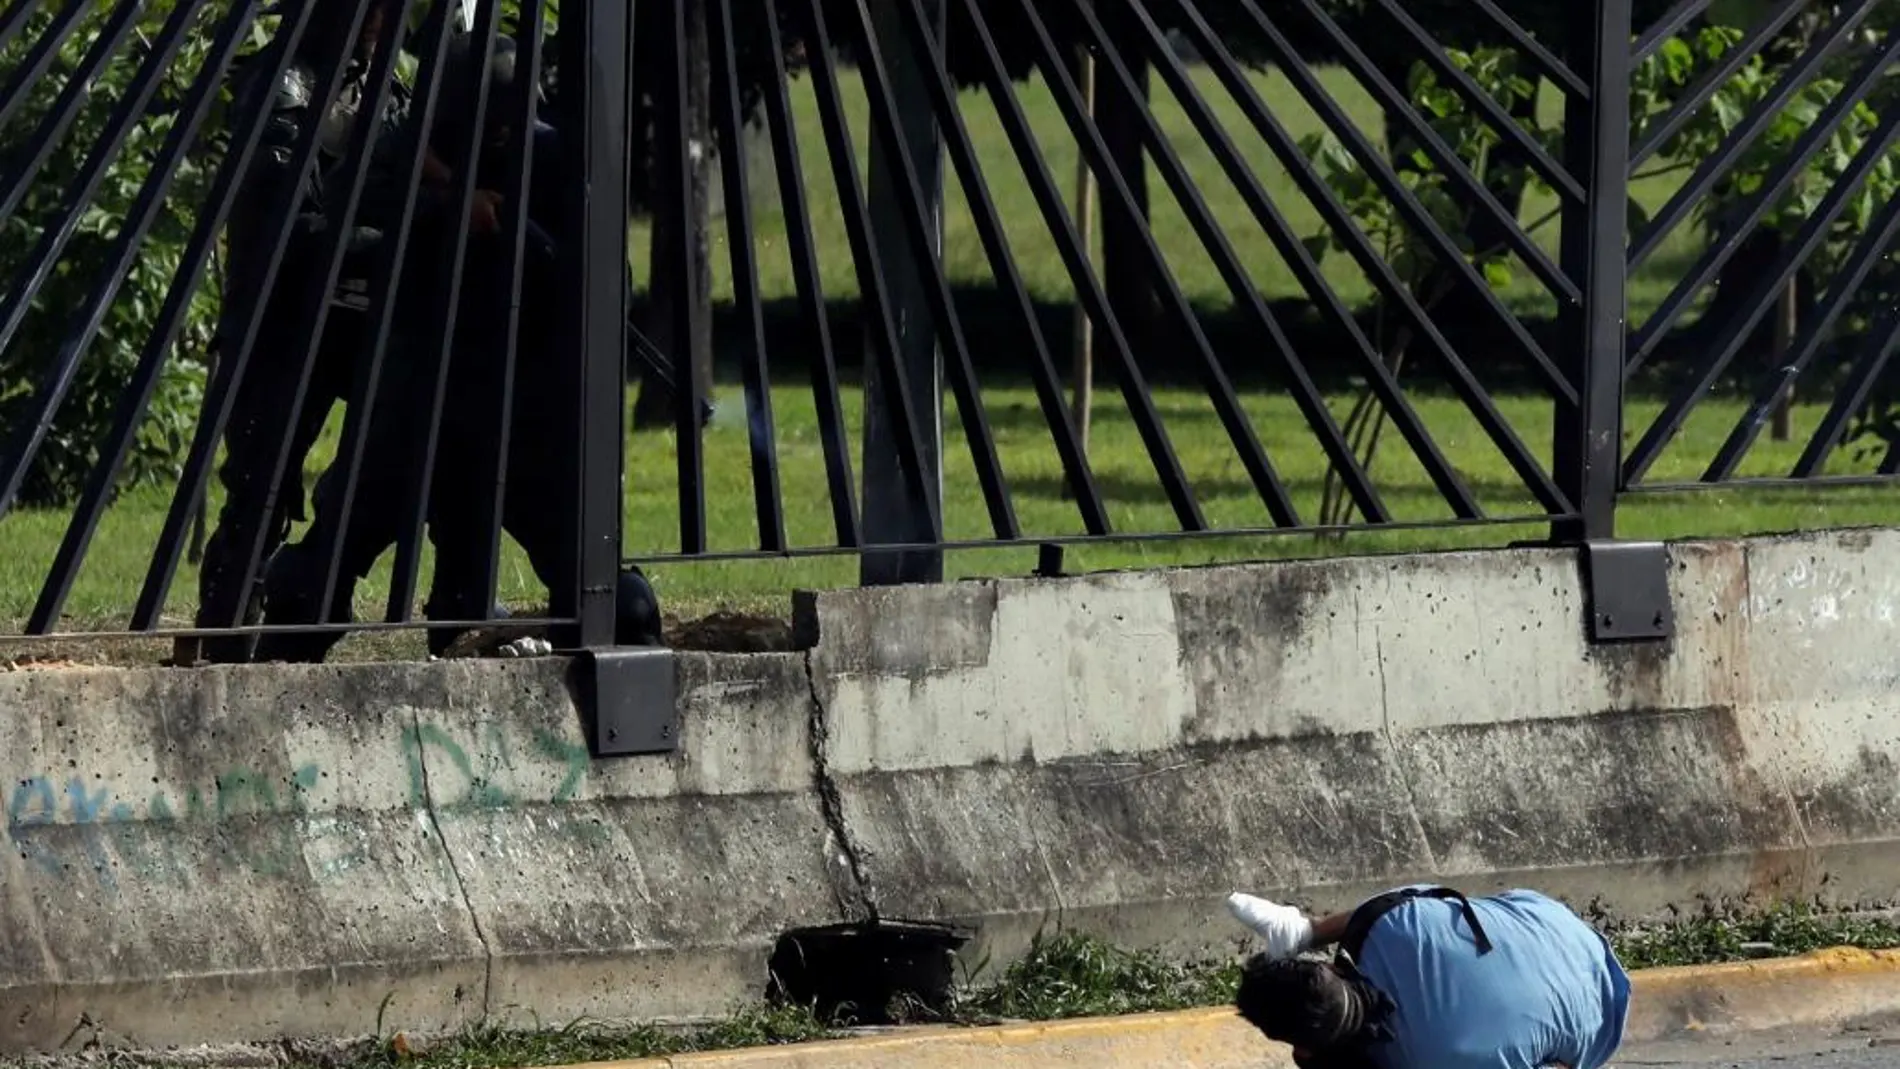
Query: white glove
(1285, 929)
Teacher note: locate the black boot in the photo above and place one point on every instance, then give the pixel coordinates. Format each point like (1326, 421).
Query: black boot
(636, 611)
(293, 584)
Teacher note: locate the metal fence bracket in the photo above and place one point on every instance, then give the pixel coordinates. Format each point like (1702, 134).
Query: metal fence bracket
(1627, 584)
(629, 701)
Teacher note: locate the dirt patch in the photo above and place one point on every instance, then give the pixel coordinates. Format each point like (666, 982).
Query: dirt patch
(731, 632)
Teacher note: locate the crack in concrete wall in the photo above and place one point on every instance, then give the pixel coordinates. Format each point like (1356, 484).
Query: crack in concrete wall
(857, 896)
(455, 871)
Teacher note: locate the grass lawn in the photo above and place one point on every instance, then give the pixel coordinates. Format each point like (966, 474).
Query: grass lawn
(1035, 249)
(110, 580)
(129, 531)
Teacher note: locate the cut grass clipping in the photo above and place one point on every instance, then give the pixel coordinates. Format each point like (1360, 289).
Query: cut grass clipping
(1070, 975)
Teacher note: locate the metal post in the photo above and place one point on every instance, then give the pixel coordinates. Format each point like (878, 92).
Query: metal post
(892, 512)
(595, 41)
(1588, 444)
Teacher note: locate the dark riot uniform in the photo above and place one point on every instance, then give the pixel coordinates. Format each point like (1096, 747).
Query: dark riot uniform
(543, 457)
(260, 416)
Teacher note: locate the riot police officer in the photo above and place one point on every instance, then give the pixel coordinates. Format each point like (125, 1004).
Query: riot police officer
(261, 412)
(543, 454)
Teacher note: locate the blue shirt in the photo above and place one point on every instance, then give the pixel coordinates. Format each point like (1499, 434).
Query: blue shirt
(1550, 991)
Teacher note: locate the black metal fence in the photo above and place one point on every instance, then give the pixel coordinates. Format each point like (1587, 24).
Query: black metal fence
(245, 245)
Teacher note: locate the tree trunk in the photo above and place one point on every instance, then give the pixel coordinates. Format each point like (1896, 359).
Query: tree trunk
(1082, 371)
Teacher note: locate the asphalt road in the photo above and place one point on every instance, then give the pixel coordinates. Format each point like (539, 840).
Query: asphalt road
(1877, 1048)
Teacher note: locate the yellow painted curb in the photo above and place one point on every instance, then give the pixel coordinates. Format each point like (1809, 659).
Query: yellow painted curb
(1825, 987)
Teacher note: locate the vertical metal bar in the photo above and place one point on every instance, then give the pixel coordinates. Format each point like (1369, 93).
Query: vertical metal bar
(672, 152)
(1070, 440)
(46, 138)
(891, 511)
(802, 246)
(31, 433)
(516, 194)
(762, 431)
(885, 346)
(1588, 433)
(385, 292)
(138, 222)
(445, 304)
(920, 218)
(594, 88)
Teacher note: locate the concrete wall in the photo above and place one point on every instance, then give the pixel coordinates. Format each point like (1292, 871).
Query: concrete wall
(198, 856)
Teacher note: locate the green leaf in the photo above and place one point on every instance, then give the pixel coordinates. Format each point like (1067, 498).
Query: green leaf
(1497, 275)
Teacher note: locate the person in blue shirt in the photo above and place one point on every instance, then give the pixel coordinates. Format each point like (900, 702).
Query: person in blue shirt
(1425, 978)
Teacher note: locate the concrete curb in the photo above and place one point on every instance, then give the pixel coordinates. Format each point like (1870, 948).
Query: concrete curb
(1828, 987)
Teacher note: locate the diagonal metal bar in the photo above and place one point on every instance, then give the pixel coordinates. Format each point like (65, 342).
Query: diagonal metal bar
(1761, 298)
(314, 313)
(14, 20)
(959, 368)
(1868, 252)
(39, 58)
(1717, 165)
(1240, 431)
(58, 378)
(1876, 350)
(104, 475)
(768, 504)
(281, 217)
(883, 341)
(1438, 59)
(1542, 58)
(1379, 378)
(518, 184)
(1666, 27)
(1369, 258)
(1397, 106)
(1306, 394)
(48, 136)
(802, 245)
(1414, 213)
(1750, 213)
(1706, 85)
(445, 309)
(1042, 368)
(674, 157)
(386, 288)
(1088, 287)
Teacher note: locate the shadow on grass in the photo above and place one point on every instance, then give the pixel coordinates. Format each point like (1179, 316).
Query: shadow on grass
(1002, 353)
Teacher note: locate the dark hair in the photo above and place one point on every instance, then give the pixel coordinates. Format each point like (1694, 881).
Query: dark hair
(1325, 1009)
(1304, 1003)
